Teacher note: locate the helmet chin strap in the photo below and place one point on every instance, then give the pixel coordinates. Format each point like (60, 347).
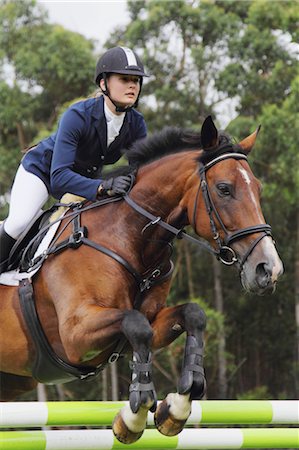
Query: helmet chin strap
(118, 108)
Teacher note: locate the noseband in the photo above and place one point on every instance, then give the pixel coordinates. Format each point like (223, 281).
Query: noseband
(226, 253)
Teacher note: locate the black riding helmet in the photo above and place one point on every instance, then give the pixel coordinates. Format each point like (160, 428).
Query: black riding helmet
(119, 60)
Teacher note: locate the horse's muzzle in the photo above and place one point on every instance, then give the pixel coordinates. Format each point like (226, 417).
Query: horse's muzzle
(261, 271)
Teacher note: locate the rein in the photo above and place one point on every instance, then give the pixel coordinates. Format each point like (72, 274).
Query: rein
(178, 232)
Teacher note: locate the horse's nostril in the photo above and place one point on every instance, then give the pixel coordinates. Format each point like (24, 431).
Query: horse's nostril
(263, 272)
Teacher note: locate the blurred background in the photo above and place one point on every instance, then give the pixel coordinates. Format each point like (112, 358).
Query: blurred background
(236, 60)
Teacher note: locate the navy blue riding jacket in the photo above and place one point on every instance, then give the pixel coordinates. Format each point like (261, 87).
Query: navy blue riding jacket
(71, 159)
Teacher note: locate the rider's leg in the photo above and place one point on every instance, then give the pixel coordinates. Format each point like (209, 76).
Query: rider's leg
(28, 195)
(6, 244)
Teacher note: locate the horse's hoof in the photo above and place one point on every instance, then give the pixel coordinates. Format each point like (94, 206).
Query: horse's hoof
(165, 422)
(122, 432)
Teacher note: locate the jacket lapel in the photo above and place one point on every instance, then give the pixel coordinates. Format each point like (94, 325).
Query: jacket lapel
(100, 122)
(101, 127)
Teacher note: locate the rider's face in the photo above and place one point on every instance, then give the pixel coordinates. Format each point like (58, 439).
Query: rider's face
(123, 89)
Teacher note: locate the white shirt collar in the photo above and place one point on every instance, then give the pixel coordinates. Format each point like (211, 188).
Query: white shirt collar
(110, 116)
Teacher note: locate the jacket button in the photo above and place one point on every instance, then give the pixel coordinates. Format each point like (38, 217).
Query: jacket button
(102, 157)
(94, 168)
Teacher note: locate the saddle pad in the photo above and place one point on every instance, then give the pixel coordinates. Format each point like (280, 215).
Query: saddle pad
(13, 277)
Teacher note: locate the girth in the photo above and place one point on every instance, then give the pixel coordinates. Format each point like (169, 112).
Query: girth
(48, 368)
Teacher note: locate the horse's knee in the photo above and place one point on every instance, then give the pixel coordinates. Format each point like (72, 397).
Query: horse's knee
(194, 317)
(136, 328)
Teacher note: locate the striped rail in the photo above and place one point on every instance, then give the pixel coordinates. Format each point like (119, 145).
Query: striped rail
(46, 414)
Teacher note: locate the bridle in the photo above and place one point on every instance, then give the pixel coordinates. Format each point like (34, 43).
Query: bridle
(226, 254)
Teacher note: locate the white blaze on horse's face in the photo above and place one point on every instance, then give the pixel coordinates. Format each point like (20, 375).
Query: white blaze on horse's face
(263, 267)
(246, 178)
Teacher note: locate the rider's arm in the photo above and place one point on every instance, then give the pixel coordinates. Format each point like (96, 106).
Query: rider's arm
(63, 179)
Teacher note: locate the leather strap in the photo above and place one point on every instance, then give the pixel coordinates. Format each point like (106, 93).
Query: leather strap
(47, 367)
(178, 233)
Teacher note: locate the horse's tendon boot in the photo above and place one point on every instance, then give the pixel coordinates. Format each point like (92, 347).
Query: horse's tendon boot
(142, 390)
(193, 377)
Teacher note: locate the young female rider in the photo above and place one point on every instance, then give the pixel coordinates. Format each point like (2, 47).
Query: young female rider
(91, 133)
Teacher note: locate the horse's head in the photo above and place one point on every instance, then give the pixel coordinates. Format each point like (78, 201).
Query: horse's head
(225, 209)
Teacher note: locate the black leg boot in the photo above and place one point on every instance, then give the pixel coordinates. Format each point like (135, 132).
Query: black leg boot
(6, 244)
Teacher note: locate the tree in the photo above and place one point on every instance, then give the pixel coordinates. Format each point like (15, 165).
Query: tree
(262, 59)
(39, 74)
(183, 45)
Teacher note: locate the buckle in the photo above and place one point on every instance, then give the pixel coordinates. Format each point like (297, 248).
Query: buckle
(75, 240)
(87, 375)
(113, 358)
(153, 222)
(147, 283)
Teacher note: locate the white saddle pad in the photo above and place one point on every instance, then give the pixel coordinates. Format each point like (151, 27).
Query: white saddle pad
(13, 277)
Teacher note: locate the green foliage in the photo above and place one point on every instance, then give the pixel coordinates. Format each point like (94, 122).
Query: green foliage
(59, 61)
(48, 67)
(258, 393)
(262, 64)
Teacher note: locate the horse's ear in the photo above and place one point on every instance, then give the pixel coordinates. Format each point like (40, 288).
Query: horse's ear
(248, 143)
(209, 134)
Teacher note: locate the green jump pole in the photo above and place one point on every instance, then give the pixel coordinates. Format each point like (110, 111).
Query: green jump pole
(217, 438)
(209, 412)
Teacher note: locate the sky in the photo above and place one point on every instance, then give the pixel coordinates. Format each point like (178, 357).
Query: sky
(94, 19)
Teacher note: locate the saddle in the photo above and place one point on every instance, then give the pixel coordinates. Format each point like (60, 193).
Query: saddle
(27, 236)
(33, 235)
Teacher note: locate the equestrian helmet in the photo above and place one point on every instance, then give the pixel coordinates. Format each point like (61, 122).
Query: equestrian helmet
(119, 60)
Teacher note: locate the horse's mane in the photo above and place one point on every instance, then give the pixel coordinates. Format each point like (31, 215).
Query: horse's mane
(168, 141)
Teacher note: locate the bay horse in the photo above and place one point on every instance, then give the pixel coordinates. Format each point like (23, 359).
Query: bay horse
(103, 284)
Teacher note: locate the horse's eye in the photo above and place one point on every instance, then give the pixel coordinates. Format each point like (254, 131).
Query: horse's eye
(223, 189)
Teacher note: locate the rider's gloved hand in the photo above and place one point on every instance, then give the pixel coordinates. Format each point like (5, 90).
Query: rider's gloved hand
(115, 186)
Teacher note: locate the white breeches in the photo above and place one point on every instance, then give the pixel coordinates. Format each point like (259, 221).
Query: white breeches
(28, 195)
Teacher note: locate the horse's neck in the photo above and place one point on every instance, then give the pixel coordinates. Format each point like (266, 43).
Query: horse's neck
(163, 183)
(160, 190)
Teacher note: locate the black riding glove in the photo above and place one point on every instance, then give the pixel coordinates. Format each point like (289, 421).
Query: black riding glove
(115, 186)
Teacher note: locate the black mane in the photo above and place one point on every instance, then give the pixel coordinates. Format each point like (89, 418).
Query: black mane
(169, 140)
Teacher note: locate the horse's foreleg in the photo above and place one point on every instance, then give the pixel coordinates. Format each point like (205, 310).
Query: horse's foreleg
(172, 413)
(129, 424)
